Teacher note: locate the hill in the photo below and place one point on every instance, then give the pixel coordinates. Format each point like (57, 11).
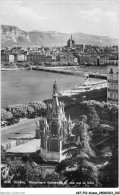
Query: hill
(14, 36)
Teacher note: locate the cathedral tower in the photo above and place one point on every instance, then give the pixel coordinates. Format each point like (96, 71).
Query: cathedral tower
(70, 43)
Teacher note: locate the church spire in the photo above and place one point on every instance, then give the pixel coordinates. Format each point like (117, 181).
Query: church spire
(71, 42)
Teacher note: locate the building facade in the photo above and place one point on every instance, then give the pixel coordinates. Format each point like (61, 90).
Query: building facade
(37, 57)
(4, 57)
(112, 83)
(83, 59)
(21, 57)
(55, 131)
(11, 58)
(93, 59)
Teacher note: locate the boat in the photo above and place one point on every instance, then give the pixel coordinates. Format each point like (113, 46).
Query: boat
(86, 86)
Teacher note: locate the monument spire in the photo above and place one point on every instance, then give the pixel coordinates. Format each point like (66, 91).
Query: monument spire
(54, 88)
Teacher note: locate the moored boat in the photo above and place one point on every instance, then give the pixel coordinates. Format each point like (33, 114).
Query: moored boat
(86, 86)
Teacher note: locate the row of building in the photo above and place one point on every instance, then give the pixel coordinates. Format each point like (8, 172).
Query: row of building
(71, 53)
(37, 57)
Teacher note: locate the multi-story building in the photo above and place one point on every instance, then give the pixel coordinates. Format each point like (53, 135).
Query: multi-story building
(7, 57)
(48, 58)
(11, 58)
(37, 57)
(112, 82)
(21, 57)
(4, 56)
(83, 59)
(66, 58)
(103, 59)
(80, 48)
(94, 59)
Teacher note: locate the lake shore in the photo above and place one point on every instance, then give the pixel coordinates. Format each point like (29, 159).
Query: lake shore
(75, 71)
(93, 72)
(13, 69)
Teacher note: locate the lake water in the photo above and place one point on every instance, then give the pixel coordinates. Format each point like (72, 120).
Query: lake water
(22, 87)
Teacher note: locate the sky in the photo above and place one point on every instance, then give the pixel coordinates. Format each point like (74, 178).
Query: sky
(96, 17)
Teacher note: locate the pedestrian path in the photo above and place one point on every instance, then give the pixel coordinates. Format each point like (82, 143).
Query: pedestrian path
(27, 147)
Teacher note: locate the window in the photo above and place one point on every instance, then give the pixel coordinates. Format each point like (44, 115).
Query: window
(111, 95)
(111, 86)
(115, 95)
(115, 77)
(115, 86)
(111, 71)
(60, 132)
(54, 129)
(111, 77)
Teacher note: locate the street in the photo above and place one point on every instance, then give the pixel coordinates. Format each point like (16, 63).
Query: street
(24, 128)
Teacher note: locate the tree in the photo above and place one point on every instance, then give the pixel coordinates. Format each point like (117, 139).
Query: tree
(18, 110)
(5, 115)
(2, 154)
(93, 118)
(98, 106)
(81, 131)
(25, 170)
(78, 167)
(52, 177)
(112, 111)
(30, 110)
(109, 173)
(98, 95)
(79, 158)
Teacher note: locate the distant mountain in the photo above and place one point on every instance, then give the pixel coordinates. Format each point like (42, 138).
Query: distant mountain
(13, 36)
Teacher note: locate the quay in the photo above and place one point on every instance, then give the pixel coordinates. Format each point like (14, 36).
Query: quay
(14, 69)
(69, 72)
(60, 71)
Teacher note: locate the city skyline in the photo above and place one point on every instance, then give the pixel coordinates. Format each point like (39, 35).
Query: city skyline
(93, 17)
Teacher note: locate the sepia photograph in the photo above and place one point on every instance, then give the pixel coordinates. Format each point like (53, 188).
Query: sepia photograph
(59, 96)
